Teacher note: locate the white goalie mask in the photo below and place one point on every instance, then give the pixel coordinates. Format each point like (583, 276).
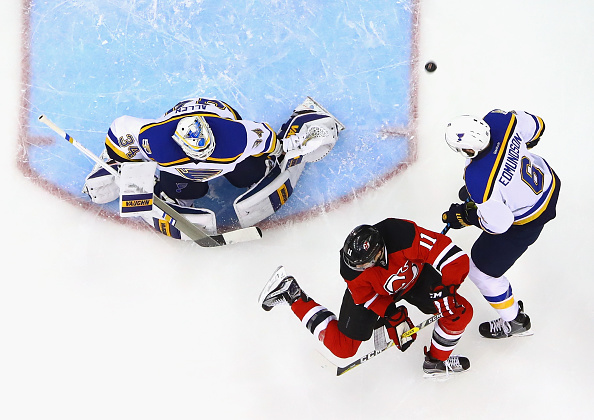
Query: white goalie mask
(195, 137)
(468, 135)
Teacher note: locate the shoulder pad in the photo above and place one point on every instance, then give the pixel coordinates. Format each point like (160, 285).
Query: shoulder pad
(398, 234)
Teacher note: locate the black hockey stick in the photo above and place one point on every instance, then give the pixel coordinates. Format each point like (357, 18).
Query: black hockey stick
(179, 221)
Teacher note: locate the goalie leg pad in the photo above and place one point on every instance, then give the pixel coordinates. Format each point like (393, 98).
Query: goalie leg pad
(137, 180)
(267, 196)
(205, 219)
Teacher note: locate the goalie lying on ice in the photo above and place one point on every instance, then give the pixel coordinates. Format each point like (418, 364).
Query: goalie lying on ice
(199, 140)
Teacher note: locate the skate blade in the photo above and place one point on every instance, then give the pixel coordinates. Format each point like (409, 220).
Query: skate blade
(442, 376)
(278, 275)
(523, 334)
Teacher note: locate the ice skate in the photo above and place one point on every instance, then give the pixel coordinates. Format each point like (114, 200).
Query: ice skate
(518, 327)
(280, 290)
(454, 364)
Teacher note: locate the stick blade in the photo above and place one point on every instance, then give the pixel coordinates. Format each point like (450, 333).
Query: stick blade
(234, 237)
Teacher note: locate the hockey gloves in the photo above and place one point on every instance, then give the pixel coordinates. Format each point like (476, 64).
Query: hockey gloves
(101, 186)
(397, 323)
(461, 215)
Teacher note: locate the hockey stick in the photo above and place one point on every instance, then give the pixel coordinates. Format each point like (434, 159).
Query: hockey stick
(361, 360)
(341, 370)
(422, 325)
(179, 221)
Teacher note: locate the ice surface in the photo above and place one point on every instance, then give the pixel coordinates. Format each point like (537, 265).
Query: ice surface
(98, 320)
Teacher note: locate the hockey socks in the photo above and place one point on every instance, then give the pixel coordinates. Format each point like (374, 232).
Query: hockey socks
(323, 324)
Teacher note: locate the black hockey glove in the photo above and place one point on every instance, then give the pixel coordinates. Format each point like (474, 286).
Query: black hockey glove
(461, 215)
(397, 323)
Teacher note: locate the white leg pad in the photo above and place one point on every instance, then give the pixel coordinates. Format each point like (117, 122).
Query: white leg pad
(267, 196)
(205, 219)
(137, 180)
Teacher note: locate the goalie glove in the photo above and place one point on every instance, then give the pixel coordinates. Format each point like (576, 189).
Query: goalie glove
(101, 186)
(397, 323)
(293, 142)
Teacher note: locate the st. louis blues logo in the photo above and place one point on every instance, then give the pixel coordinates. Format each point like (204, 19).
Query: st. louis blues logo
(180, 186)
(460, 135)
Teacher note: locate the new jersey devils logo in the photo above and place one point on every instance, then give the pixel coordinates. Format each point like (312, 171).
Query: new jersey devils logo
(404, 277)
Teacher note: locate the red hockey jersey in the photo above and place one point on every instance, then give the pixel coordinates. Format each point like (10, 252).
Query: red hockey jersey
(409, 248)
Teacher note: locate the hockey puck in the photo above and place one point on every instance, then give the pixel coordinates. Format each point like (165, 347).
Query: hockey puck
(430, 66)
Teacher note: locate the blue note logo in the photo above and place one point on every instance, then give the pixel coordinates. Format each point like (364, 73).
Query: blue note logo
(180, 186)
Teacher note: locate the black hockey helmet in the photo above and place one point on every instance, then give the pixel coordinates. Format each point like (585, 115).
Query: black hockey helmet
(364, 248)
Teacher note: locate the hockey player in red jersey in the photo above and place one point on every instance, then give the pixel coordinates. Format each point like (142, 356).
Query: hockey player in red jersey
(383, 264)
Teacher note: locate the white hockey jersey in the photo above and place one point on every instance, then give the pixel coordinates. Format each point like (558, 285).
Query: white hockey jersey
(509, 184)
(131, 139)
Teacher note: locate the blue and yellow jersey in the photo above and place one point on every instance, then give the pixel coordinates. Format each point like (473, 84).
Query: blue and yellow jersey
(507, 172)
(135, 139)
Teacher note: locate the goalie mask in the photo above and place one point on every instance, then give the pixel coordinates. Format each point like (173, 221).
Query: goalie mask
(364, 248)
(195, 137)
(468, 135)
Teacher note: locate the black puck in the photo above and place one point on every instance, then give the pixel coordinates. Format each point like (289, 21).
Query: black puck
(430, 66)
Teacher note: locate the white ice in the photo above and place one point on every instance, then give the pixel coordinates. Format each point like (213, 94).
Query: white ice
(98, 321)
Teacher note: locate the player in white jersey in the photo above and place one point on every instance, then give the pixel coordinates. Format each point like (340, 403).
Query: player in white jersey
(194, 142)
(201, 139)
(510, 193)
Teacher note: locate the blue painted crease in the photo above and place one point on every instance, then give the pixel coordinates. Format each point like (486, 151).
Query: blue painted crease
(140, 58)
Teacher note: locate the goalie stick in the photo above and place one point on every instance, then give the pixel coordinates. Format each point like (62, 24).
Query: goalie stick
(179, 221)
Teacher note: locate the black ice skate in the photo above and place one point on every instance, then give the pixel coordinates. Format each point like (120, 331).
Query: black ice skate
(280, 290)
(499, 328)
(454, 364)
